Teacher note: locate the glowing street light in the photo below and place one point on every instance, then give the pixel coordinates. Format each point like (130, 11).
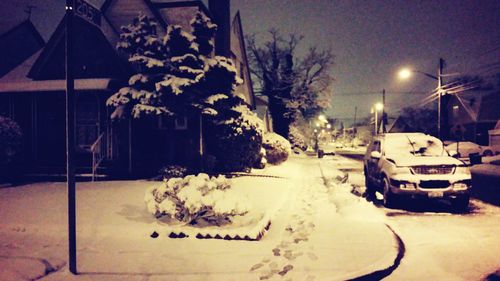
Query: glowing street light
(404, 73)
(328, 126)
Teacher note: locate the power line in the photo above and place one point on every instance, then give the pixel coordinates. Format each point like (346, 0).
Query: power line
(376, 93)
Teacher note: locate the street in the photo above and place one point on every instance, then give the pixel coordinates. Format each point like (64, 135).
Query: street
(438, 242)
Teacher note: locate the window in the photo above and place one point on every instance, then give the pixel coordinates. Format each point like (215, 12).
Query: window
(181, 123)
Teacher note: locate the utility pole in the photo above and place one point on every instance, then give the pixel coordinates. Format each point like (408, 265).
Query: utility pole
(440, 97)
(70, 137)
(383, 121)
(355, 113)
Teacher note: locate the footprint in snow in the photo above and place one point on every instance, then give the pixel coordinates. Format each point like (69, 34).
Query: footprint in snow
(285, 269)
(273, 265)
(288, 254)
(276, 252)
(256, 266)
(312, 256)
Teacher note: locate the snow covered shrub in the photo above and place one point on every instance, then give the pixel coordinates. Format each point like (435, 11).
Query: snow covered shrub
(10, 146)
(197, 200)
(172, 171)
(297, 138)
(277, 148)
(261, 164)
(236, 141)
(10, 139)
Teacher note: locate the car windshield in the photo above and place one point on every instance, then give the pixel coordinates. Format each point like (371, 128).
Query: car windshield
(418, 145)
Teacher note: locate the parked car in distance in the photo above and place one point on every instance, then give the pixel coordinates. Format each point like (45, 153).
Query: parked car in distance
(466, 148)
(415, 165)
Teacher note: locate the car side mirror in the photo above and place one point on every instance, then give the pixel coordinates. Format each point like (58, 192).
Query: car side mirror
(453, 153)
(375, 154)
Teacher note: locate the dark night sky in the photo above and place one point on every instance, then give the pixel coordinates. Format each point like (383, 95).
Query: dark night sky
(370, 39)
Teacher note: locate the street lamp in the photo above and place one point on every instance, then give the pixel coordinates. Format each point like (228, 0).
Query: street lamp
(405, 73)
(377, 107)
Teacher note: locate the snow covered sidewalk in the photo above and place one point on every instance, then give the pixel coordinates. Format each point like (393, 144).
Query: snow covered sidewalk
(320, 232)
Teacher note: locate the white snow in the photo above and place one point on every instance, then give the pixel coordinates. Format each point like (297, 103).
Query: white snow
(319, 232)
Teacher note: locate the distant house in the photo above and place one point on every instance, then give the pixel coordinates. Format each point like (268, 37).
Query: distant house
(32, 93)
(399, 125)
(473, 113)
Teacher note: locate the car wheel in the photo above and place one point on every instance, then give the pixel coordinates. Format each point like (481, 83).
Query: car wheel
(389, 197)
(488, 153)
(460, 204)
(370, 189)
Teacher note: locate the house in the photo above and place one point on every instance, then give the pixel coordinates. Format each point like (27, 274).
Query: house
(262, 111)
(472, 113)
(33, 94)
(18, 44)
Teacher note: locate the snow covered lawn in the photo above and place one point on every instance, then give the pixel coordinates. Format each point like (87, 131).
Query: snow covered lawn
(314, 235)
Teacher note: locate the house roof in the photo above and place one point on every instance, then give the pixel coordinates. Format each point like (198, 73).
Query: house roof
(479, 105)
(237, 23)
(18, 44)
(96, 55)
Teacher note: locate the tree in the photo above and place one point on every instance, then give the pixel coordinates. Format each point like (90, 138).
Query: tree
(296, 87)
(178, 75)
(420, 119)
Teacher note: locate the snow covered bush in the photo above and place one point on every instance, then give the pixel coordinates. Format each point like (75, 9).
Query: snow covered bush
(198, 200)
(10, 139)
(10, 146)
(277, 148)
(172, 171)
(236, 138)
(261, 164)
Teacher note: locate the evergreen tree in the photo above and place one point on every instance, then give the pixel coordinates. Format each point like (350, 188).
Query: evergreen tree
(147, 55)
(178, 75)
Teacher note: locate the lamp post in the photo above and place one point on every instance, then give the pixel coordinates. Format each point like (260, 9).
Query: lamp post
(378, 106)
(406, 73)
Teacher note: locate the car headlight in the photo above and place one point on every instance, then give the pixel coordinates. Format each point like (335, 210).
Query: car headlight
(460, 186)
(462, 170)
(407, 185)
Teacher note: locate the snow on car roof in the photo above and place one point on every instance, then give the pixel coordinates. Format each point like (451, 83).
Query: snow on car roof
(413, 143)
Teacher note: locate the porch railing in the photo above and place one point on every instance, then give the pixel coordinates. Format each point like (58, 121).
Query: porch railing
(99, 152)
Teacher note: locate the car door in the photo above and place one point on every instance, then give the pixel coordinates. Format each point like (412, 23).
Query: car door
(372, 162)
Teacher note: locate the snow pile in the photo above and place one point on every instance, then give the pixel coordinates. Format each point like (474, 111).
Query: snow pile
(197, 200)
(277, 148)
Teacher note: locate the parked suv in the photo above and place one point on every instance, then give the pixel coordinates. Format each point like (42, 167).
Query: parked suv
(415, 165)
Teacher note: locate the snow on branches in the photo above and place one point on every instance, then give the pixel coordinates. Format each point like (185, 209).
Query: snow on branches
(175, 73)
